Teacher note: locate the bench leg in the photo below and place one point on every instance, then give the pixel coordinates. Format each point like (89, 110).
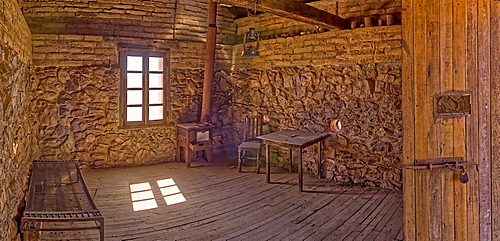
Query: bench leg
(31, 235)
(102, 229)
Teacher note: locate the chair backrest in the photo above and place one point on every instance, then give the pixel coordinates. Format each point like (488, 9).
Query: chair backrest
(253, 127)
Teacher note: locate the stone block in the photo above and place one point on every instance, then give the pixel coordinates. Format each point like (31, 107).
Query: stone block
(92, 38)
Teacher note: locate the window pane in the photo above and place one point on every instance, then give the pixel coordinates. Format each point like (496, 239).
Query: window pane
(134, 63)
(155, 80)
(155, 112)
(134, 80)
(134, 113)
(134, 97)
(155, 96)
(155, 64)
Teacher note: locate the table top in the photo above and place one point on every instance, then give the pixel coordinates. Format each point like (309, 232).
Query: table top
(294, 137)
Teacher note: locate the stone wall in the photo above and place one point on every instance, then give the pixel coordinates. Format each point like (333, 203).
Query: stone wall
(79, 117)
(305, 81)
(366, 98)
(16, 131)
(76, 59)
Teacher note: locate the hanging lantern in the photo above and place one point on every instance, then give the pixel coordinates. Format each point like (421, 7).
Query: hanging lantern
(251, 43)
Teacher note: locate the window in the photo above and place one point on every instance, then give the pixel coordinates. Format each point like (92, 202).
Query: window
(144, 88)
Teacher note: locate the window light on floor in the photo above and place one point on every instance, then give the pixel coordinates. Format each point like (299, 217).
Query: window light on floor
(142, 196)
(171, 193)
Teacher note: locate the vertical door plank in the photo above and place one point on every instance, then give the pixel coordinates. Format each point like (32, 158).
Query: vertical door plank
(495, 109)
(495, 114)
(408, 100)
(484, 133)
(446, 81)
(472, 130)
(432, 8)
(459, 67)
(424, 123)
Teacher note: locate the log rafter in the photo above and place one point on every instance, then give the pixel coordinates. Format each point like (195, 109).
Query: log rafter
(292, 9)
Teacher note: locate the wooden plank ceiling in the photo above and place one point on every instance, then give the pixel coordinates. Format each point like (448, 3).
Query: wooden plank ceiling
(291, 9)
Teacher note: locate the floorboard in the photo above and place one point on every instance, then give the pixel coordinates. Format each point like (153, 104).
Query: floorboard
(224, 204)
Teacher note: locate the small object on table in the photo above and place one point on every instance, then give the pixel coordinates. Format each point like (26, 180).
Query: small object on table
(389, 19)
(354, 24)
(368, 21)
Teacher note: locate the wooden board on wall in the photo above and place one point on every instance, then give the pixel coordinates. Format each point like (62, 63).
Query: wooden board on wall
(495, 128)
(472, 138)
(446, 83)
(459, 139)
(408, 100)
(484, 143)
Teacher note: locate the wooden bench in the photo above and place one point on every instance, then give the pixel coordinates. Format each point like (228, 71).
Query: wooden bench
(58, 193)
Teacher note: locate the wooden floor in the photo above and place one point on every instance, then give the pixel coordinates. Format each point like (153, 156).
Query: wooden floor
(223, 204)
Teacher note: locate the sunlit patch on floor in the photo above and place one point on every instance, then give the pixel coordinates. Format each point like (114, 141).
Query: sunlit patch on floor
(142, 196)
(171, 193)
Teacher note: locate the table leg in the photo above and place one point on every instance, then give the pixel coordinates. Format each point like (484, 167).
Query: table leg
(209, 153)
(301, 181)
(268, 164)
(320, 158)
(290, 158)
(188, 155)
(178, 151)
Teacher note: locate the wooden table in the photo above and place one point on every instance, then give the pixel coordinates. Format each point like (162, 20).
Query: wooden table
(293, 139)
(58, 193)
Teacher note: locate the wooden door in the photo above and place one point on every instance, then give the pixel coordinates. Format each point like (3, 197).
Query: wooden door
(446, 49)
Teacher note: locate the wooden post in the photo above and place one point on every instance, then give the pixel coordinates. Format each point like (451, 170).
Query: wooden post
(209, 61)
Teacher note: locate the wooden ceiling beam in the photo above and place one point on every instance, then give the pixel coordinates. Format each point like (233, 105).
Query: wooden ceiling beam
(292, 9)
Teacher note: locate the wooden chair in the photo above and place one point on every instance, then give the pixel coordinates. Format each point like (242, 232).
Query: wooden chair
(251, 147)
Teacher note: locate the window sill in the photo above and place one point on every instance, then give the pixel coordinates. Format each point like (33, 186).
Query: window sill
(150, 126)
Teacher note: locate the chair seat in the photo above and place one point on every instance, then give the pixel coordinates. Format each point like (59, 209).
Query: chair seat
(249, 145)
